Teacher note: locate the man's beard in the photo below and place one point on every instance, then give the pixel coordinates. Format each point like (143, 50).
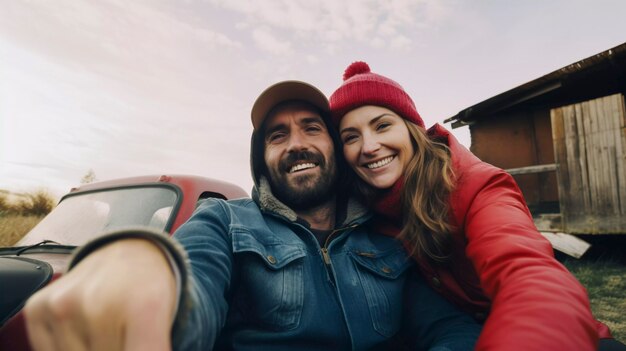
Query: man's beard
(306, 191)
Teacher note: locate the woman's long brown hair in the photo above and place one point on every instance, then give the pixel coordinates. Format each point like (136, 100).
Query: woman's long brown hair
(428, 182)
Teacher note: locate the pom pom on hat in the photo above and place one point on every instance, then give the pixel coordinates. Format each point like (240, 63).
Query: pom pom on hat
(362, 87)
(355, 68)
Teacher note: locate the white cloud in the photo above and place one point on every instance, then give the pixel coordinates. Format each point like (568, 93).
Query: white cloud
(378, 43)
(312, 59)
(266, 41)
(85, 31)
(215, 39)
(400, 42)
(323, 23)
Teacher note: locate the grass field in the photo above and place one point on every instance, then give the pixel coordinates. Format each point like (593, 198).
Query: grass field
(19, 215)
(603, 276)
(14, 226)
(605, 280)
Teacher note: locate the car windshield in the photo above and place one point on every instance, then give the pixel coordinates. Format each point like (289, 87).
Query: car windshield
(82, 217)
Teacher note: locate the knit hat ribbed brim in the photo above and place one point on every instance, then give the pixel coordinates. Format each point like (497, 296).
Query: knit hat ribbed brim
(362, 87)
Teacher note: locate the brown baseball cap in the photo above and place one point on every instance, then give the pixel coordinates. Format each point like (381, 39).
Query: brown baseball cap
(285, 91)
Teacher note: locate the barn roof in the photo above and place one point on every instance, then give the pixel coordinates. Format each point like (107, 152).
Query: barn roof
(598, 75)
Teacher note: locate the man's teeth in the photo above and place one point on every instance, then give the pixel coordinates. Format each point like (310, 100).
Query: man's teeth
(301, 167)
(380, 163)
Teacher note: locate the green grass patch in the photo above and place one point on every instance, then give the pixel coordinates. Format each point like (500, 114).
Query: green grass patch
(605, 281)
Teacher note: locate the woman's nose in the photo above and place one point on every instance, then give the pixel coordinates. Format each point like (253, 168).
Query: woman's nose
(370, 145)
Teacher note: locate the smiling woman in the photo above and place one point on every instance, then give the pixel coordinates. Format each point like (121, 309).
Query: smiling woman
(376, 144)
(464, 221)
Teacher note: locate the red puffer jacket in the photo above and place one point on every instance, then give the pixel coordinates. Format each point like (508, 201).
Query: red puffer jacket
(503, 268)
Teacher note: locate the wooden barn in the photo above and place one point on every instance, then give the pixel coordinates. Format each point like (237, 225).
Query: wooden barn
(563, 137)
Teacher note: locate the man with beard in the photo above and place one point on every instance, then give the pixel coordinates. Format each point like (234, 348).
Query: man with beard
(293, 268)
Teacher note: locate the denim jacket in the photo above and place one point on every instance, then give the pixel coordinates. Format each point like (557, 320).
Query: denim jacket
(259, 280)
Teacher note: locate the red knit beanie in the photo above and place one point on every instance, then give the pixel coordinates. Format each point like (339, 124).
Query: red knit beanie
(362, 87)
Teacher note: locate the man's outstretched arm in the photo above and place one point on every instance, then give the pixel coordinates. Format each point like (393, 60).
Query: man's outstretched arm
(120, 297)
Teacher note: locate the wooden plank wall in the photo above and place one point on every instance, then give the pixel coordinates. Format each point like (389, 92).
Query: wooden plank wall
(508, 141)
(590, 151)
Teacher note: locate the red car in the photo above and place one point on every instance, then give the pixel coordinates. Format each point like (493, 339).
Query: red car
(160, 202)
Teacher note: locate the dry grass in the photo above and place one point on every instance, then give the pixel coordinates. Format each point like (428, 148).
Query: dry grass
(18, 216)
(37, 203)
(14, 226)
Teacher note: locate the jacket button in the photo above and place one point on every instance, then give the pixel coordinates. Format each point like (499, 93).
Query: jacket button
(386, 270)
(436, 282)
(271, 259)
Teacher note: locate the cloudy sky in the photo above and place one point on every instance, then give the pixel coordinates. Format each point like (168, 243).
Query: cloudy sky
(162, 86)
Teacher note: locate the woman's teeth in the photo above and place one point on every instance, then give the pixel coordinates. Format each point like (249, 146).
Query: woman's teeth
(380, 163)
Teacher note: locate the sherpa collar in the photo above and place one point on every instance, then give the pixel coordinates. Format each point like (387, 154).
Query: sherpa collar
(267, 202)
(264, 198)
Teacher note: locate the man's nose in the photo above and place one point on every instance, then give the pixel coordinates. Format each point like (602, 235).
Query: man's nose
(296, 142)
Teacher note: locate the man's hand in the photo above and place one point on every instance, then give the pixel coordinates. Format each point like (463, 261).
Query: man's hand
(120, 297)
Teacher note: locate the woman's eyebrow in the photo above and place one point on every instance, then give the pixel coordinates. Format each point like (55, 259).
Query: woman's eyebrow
(372, 121)
(375, 119)
(348, 129)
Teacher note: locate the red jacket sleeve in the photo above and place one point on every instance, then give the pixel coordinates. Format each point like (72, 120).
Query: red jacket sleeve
(536, 303)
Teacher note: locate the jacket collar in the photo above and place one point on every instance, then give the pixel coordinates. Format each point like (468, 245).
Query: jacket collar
(354, 211)
(267, 202)
(461, 157)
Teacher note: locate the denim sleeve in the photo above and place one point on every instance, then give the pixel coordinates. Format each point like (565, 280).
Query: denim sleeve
(433, 323)
(205, 238)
